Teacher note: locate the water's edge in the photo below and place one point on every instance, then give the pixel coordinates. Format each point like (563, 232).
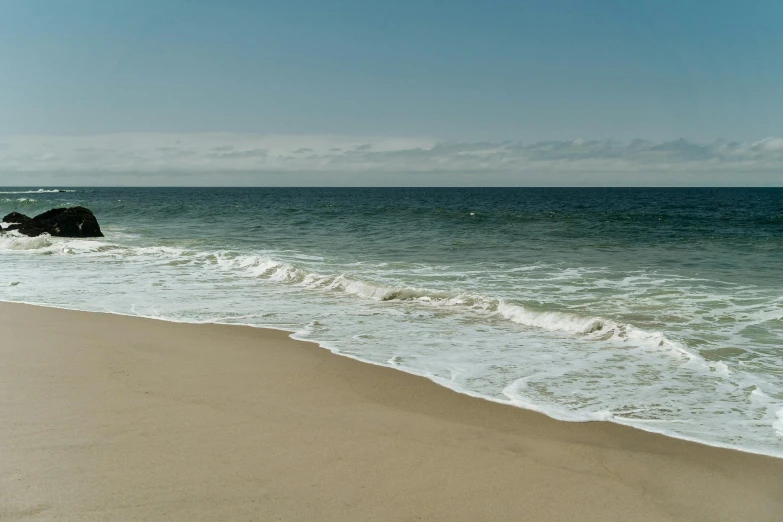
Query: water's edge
(439, 381)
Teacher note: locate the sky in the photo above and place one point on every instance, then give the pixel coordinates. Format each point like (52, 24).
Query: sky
(169, 92)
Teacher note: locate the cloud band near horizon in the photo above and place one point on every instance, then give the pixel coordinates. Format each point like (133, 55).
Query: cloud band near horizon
(177, 155)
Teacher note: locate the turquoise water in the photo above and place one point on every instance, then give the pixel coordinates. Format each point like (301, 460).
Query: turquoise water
(658, 308)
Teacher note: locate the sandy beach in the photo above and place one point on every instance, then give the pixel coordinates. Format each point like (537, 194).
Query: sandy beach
(105, 417)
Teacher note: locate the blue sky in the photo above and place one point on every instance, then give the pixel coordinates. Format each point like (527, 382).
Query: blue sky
(439, 72)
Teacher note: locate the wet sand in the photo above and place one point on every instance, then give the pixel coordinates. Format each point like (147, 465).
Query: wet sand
(104, 417)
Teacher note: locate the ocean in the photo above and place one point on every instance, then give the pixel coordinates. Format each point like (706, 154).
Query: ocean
(660, 309)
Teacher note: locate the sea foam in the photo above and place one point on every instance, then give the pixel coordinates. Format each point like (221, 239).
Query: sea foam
(691, 353)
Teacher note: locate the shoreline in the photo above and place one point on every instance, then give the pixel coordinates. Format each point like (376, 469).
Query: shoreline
(113, 416)
(293, 336)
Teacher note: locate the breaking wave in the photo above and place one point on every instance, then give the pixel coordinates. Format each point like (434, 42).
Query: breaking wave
(39, 191)
(282, 272)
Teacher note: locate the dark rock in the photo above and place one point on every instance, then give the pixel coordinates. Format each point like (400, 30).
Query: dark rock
(16, 220)
(16, 217)
(61, 222)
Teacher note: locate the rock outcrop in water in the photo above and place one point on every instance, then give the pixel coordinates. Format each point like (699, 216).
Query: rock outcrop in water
(16, 219)
(61, 222)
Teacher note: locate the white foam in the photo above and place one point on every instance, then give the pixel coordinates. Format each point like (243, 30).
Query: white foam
(19, 200)
(39, 191)
(14, 241)
(778, 424)
(552, 321)
(46, 244)
(515, 393)
(263, 266)
(576, 360)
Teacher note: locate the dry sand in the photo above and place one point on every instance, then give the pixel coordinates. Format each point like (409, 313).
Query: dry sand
(105, 417)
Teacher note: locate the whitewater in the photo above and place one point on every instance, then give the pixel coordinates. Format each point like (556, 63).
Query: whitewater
(658, 309)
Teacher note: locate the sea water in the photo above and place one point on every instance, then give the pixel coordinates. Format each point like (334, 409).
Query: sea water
(656, 308)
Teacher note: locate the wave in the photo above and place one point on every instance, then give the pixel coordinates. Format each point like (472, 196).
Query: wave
(593, 328)
(19, 200)
(46, 244)
(39, 191)
(15, 241)
(557, 322)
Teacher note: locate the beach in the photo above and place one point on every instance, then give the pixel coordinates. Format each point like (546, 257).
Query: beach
(109, 417)
(453, 262)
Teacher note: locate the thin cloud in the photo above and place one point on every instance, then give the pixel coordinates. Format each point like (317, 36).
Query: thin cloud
(203, 153)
